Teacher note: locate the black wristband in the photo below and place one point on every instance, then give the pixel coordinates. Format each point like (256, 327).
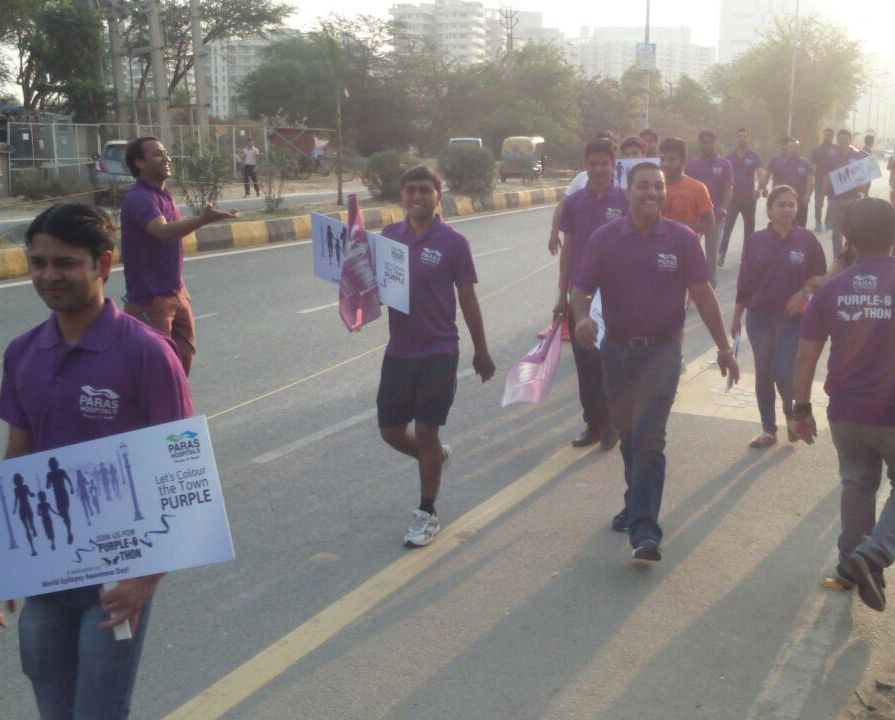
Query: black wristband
(800, 411)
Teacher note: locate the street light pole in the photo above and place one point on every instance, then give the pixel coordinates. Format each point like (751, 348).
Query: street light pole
(792, 71)
(648, 71)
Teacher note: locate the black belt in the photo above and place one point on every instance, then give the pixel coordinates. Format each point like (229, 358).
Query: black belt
(644, 341)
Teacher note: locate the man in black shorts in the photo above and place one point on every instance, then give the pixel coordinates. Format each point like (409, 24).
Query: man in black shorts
(419, 370)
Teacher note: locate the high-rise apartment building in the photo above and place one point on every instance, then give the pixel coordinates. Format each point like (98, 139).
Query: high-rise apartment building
(610, 52)
(229, 63)
(743, 22)
(459, 27)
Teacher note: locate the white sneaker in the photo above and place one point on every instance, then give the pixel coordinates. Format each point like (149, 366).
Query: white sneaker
(447, 453)
(422, 530)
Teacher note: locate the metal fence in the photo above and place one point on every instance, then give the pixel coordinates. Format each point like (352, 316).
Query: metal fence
(67, 151)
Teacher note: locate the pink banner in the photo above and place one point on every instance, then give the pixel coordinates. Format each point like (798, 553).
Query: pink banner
(530, 379)
(358, 292)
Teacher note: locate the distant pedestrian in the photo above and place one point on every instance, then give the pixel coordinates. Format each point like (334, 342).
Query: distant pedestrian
(716, 174)
(748, 176)
(249, 156)
(792, 170)
(819, 158)
(651, 142)
(854, 310)
(778, 267)
(643, 265)
(844, 154)
(419, 371)
(687, 200)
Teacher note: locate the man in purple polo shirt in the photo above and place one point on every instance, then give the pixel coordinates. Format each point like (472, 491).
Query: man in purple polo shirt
(747, 168)
(152, 232)
(644, 265)
(69, 653)
(793, 170)
(717, 175)
(854, 309)
(419, 370)
(599, 202)
(842, 155)
(819, 157)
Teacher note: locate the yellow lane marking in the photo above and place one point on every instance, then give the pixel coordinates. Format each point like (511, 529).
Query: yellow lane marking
(254, 674)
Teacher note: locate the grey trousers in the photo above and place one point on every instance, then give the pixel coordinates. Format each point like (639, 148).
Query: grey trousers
(862, 451)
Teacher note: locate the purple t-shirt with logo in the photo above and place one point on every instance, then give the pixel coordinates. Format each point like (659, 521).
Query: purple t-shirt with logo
(744, 168)
(791, 171)
(121, 375)
(839, 159)
(854, 309)
(643, 280)
(774, 268)
(438, 261)
(152, 267)
(585, 211)
(714, 174)
(819, 157)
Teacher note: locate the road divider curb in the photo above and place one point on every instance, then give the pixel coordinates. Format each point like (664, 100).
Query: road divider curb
(252, 233)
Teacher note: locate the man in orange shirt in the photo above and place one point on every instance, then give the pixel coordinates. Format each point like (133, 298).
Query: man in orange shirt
(687, 200)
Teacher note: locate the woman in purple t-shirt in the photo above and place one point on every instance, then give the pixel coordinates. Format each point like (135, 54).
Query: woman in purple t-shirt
(777, 265)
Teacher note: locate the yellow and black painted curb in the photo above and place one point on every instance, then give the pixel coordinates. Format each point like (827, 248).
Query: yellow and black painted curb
(252, 233)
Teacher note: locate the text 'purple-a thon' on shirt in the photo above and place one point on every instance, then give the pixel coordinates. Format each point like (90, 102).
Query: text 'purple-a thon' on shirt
(774, 268)
(152, 267)
(643, 280)
(439, 260)
(855, 310)
(120, 376)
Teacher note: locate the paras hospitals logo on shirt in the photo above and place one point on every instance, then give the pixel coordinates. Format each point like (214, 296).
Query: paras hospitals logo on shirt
(98, 403)
(185, 446)
(863, 283)
(430, 257)
(667, 262)
(614, 214)
(797, 257)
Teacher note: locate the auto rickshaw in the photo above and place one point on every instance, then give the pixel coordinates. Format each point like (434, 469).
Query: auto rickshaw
(522, 157)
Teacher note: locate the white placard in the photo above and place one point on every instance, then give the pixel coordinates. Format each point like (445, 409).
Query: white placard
(330, 240)
(624, 165)
(855, 174)
(392, 271)
(122, 506)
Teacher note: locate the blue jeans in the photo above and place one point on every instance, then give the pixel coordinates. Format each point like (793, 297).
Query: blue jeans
(78, 671)
(862, 450)
(641, 384)
(775, 340)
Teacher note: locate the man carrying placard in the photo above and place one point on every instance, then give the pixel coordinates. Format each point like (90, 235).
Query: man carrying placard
(87, 346)
(419, 370)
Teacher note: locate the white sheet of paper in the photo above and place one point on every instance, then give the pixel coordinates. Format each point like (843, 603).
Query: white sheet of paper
(855, 174)
(140, 503)
(392, 262)
(624, 165)
(329, 240)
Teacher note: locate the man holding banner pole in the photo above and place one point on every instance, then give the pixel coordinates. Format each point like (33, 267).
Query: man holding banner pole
(419, 370)
(86, 349)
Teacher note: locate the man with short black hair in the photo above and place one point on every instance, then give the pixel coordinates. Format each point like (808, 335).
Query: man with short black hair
(843, 154)
(747, 170)
(855, 310)
(795, 171)
(419, 369)
(651, 140)
(152, 232)
(76, 667)
(599, 202)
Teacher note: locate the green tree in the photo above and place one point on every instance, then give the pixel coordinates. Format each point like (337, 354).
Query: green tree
(755, 87)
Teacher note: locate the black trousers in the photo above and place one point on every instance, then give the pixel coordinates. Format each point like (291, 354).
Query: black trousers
(742, 205)
(249, 173)
(589, 365)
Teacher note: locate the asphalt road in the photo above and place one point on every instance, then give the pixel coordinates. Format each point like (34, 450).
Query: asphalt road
(527, 605)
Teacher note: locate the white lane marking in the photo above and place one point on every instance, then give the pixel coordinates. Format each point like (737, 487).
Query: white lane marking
(326, 432)
(206, 315)
(492, 252)
(315, 309)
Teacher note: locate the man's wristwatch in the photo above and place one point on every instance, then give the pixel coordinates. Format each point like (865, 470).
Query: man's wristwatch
(801, 411)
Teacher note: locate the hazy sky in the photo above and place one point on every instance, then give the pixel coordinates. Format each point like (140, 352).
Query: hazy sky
(872, 21)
